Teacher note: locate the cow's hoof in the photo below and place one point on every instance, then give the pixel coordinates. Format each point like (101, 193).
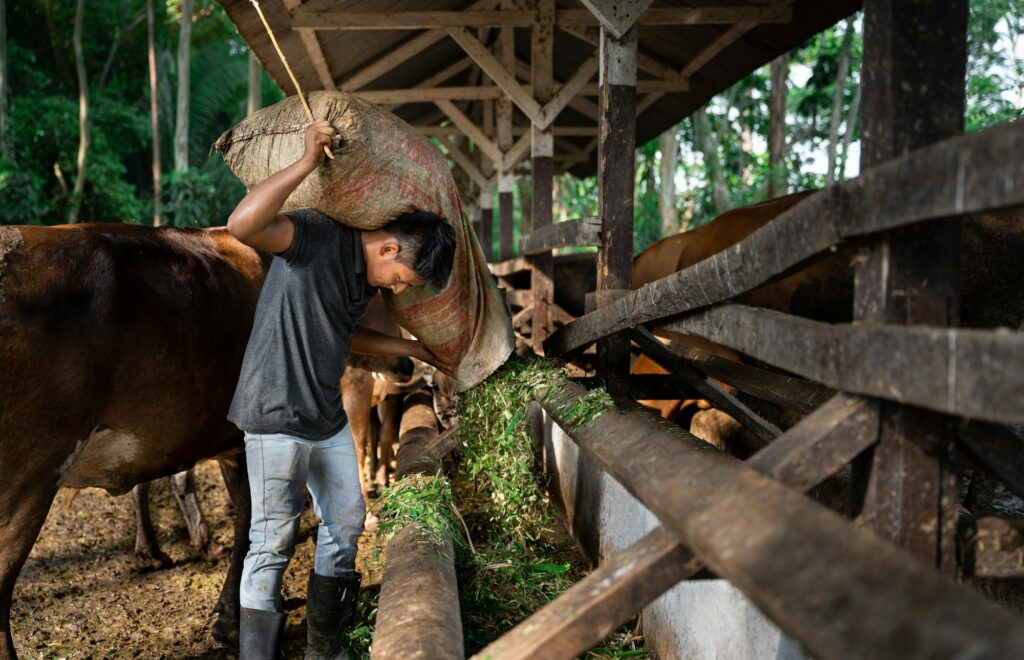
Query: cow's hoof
(225, 629)
(148, 562)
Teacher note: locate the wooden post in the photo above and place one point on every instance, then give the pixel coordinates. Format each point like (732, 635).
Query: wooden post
(913, 95)
(615, 175)
(506, 216)
(542, 171)
(487, 224)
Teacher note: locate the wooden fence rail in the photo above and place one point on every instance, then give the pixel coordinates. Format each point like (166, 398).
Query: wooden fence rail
(977, 374)
(967, 174)
(838, 589)
(583, 232)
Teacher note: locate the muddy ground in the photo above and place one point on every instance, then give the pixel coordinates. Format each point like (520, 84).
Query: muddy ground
(82, 594)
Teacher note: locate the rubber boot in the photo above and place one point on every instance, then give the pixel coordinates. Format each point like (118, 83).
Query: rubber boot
(330, 613)
(259, 634)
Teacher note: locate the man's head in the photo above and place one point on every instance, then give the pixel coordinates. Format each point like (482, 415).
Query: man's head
(412, 250)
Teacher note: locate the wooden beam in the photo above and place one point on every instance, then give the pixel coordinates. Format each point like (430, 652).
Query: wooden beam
(571, 233)
(463, 160)
(497, 72)
(509, 267)
(440, 77)
(428, 94)
(506, 217)
(617, 16)
(331, 19)
(717, 45)
(645, 61)
(967, 174)
(516, 153)
(627, 581)
(431, 130)
(390, 60)
(470, 129)
(957, 371)
(567, 92)
(997, 449)
(644, 87)
(689, 377)
(313, 49)
(839, 590)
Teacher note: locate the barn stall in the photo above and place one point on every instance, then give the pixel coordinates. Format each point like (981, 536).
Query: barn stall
(900, 398)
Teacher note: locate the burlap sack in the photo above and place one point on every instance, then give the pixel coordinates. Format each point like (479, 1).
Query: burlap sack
(383, 168)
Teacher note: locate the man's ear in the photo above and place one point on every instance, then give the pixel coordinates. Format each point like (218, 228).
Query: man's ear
(390, 248)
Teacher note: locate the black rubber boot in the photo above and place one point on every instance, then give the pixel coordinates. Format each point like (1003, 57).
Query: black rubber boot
(259, 634)
(330, 612)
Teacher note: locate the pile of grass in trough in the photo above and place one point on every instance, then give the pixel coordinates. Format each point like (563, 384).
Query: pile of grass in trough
(422, 500)
(523, 558)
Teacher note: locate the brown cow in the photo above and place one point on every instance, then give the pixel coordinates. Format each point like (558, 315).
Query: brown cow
(122, 349)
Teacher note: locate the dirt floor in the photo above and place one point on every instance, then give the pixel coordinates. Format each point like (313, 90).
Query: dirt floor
(82, 594)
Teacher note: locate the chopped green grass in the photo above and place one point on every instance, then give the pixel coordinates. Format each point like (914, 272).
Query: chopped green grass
(421, 500)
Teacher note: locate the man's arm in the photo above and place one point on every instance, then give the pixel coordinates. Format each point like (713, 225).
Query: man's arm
(257, 220)
(371, 342)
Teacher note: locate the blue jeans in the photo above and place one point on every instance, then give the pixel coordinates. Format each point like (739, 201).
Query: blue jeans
(280, 467)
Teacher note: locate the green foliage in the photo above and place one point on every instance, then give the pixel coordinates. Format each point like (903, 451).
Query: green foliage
(419, 500)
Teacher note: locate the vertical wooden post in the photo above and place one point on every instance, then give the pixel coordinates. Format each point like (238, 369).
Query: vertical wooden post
(542, 171)
(487, 224)
(616, 165)
(913, 95)
(506, 215)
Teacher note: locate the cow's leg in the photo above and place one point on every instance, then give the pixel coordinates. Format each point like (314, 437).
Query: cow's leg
(390, 411)
(225, 629)
(147, 549)
(373, 449)
(184, 486)
(24, 503)
(356, 396)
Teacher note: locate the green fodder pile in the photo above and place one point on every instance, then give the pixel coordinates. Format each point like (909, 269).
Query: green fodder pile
(523, 559)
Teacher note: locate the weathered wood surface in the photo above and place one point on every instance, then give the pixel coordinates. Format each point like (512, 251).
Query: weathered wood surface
(841, 591)
(649, 387)
(967, 174)
(581, 232)
(608, 596)
(444, 443)
(997, 449)
(787, 391)
(509, 267)
(977, 374)
(506, 222)
(999, 548)
(616, 158)
(418, 613)
(691, 378)
(333, 19)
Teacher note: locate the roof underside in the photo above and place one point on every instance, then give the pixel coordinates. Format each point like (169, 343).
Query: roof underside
(348, 51)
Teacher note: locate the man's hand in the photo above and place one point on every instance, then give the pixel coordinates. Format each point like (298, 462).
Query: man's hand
(424, 354)
(317, 135)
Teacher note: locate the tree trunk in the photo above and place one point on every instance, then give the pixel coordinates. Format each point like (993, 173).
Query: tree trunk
(255, 85)
(837, 102)
(777, 127)
(83, 115)
(707, 143)
(5, 145)
(667, 183)
(181, 120)
(154, 114)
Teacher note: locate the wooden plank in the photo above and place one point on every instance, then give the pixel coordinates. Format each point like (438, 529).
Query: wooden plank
(394, 58)
(518, 297)
(445, 442)
(913, 96)
(502, 77)
(997, 449)
(438, 78)
(708, 389)
(487, 223)
(644, 87)
(313, 49)
(431, 130)
(463, 160)
(998, 548)
(570, 233)
(717, 45)
(542, 285)
(631, 579)
(966, 174)
(787, 391)
(516, 153)
(976, 374)
(428, 94)
(645, 61)
(648, 387)
(616, 174)
(567, 92)
(418, 612)
(334, 19)
(488, 148)
(506, 217)
(839, 590)
(617, 16)
(509, 267)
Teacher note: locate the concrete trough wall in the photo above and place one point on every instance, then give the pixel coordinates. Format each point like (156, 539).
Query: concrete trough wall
(697, 619)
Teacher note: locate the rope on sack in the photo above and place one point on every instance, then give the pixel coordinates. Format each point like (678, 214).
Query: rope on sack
(273, 40)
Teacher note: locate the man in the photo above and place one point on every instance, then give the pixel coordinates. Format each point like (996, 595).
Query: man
(322, 276)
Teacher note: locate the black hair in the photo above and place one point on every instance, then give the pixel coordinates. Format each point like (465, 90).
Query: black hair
(427, 245)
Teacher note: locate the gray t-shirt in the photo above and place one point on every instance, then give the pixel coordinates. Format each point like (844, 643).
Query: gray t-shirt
(314, 293)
